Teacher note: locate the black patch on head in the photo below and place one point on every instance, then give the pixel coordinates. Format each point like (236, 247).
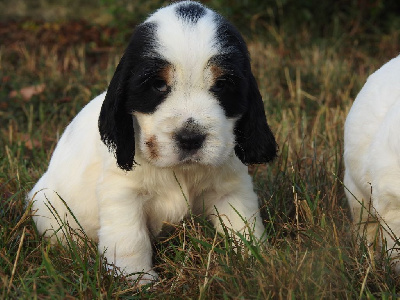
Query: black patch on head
(132, 88)
(144, 92)
(231, 86)
(190, 12)
(239, 96)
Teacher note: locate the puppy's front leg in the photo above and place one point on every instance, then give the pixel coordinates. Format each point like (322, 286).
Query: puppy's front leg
(123, 233)
(239, 211)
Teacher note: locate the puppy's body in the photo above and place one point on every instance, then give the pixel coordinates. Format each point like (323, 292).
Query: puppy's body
(134, 205)
(180, 117)
(372, 154)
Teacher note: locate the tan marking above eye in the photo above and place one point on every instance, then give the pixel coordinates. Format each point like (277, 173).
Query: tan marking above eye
(166, 73)
(216, 72)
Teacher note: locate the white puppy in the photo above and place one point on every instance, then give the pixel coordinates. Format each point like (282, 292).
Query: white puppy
(372, 156)
(172, 134)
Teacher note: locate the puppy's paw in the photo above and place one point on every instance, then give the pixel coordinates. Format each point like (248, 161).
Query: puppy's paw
(137, 276)
(143, 278)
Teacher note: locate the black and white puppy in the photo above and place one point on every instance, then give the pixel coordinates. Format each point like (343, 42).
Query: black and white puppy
(183, 106)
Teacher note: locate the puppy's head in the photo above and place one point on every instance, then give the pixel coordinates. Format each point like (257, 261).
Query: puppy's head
(184, 92)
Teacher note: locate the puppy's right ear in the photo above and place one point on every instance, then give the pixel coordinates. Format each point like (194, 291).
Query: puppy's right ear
(115, 122)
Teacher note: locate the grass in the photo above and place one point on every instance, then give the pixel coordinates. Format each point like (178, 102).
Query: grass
(308, 85)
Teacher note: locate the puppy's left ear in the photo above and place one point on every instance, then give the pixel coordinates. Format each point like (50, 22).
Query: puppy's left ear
(255, 143)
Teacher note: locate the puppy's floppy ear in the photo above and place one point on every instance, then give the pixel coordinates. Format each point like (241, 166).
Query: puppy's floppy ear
(115, 123)
(255, 143)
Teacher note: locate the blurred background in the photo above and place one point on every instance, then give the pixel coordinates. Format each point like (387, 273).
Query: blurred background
(271, 18)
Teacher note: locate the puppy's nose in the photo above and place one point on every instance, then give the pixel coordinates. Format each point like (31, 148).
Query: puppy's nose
(189, 140)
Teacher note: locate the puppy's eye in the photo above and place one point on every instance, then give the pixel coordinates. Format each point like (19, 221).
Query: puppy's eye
(219, 85)
(160, 85)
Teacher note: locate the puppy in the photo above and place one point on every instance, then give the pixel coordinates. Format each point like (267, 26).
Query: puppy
(181, 119)
(372, 157)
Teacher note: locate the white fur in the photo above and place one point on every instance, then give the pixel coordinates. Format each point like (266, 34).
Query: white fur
(122, 210)
(372, 155)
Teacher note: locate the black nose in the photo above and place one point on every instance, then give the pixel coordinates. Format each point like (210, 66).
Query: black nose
(189, 140)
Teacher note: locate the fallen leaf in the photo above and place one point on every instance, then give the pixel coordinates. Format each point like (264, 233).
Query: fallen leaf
(29, 142)
(3, 105)
(28, 92)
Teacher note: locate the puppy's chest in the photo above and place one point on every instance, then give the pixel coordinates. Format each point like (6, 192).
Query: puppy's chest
(171, 203)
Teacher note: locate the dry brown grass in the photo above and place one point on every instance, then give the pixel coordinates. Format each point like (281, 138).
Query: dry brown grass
(310, 253)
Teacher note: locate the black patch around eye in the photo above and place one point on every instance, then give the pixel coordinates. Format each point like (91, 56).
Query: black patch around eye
(191, 12)
(147, 88)
(222, 84)
(146, 97)
(230, 91)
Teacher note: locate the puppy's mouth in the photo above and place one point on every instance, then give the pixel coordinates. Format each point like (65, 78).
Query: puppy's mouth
(189, 157)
